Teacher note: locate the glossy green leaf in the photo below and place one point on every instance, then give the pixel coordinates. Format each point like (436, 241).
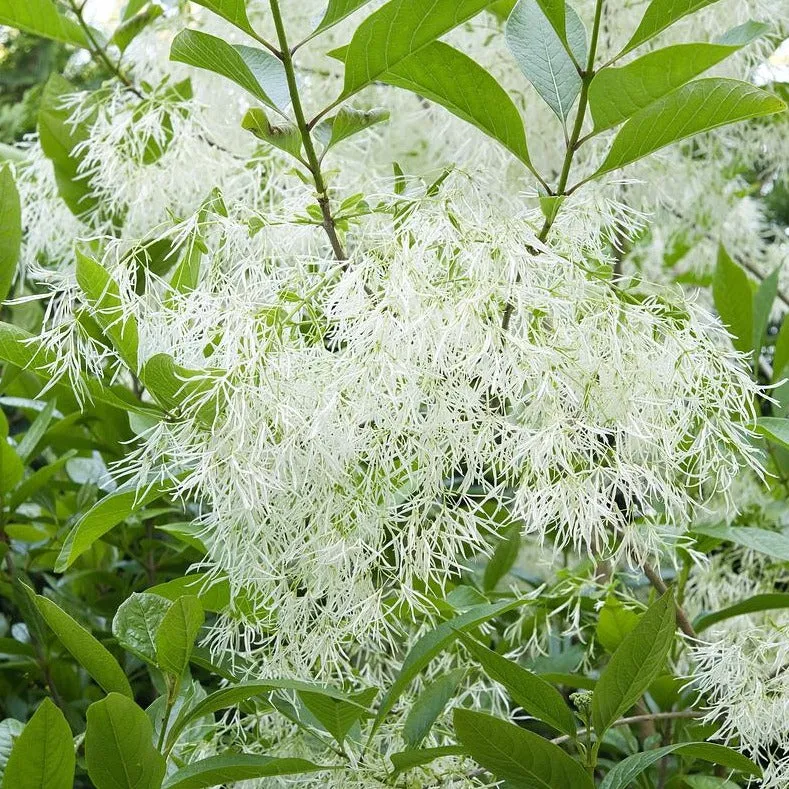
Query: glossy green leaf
(176, 635)
(11, 467)
(243, 691)
(397, 30)
(616, 94)
(534, 694)
(42, 18)
(543, 57)
(774, 429)
(285, 136)
(336, 11)
(755, 604)
(58, 139)
(129, 29)
(659, 15)
(348, 122)
(733, 296)
(625, 772)
(104, 516)
(255, 70)
(614, 622)
(518, 756)
(10, 230)
(694, 108)
(104, 296)
(448, 77)
(223, 770)
(29, 443)
(85, 648)
(214, 596)
(429, 704)
(337, 716)
(633, 667)
(407, 760)
(42, 756)
(770, 543)
(504, 557)
(119, 746)
(432, 643)
(137, 622)
(234, 11)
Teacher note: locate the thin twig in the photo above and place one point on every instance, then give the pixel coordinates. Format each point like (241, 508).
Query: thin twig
(682, 618)
(651, 717)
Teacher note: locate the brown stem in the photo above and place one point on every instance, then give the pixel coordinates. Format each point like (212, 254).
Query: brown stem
(682, 618)
(647, 717)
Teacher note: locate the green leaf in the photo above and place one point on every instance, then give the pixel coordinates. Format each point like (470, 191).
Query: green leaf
(58, 139)
(614, 622)
(692, 109)
(42, 757)
(543, 57)
(137, 622)
(407, 760)
(336, 11)
(221, 770)
(42, 18)
(432, 643)
(516, 755)
(446, 76)
(659, 15)
(337, 716)
(504, 557)
(616, 94)
(255, 70)
(103, 294)
(348, 122)
(534, 694)
(11, 467)
(429, 704)
(755, 604)
(85, 648)
(176, 635)
(235, 11)
(625, 772)
(733, 296)
(176, 388)
(635, 664)
(286, 136)
(213, 596)
(243, 691)
(104, 516)
(398, 29)
(763, 301)
(770, 543)
(119, 746)
(128, 30)
(27, 446)
(10, 230)
(781, 357)
(774, 429)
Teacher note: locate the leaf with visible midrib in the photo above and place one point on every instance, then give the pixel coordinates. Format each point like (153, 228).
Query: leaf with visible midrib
(625, 772)
(137, 621)
(41, 18)
(235, 11)
(176, 635)
(616, 94)
(119, 746)
(429, 704)
(534, 694)
(636, 663)
(659, 15)
(338, 10)
(543, 57)
(255, 70)
(86, 649)
(42, 756)
(733, 298)
(399, 29)
(516, 755)
(444, 75)
(692, 109)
